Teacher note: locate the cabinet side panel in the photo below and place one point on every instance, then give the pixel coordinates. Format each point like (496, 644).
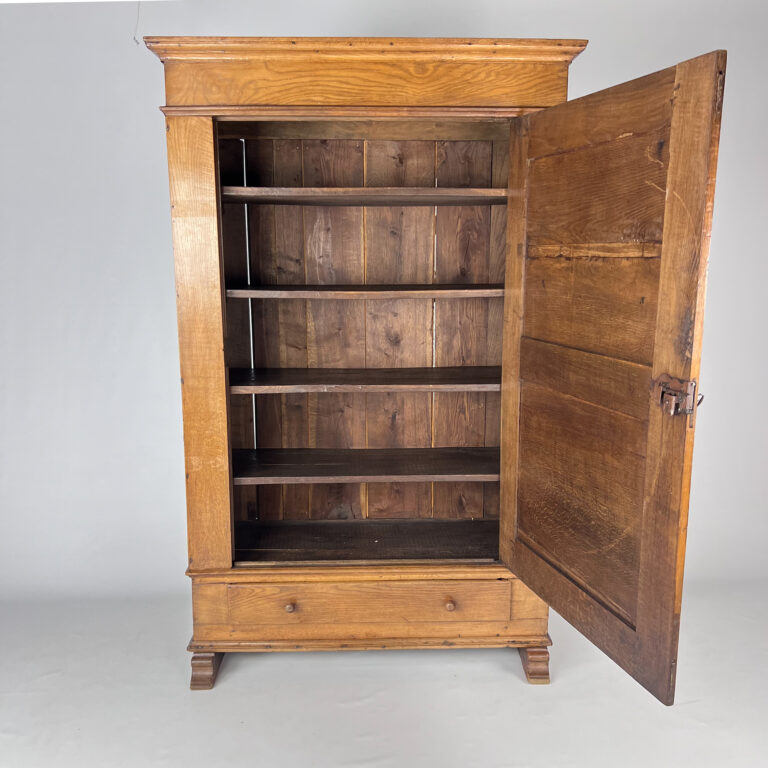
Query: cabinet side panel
(192, 173)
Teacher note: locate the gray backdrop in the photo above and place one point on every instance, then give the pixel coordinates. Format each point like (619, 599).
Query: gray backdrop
(91, 465)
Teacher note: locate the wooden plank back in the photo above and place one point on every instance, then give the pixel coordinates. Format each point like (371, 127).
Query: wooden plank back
(371, 246)
(463, 245)
(333, 248)
(399, 242)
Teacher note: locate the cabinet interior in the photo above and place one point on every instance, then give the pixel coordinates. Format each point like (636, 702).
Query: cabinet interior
(364, 270)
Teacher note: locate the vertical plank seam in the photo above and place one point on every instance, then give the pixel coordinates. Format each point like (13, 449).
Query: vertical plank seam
(433, 257)
(307, 315)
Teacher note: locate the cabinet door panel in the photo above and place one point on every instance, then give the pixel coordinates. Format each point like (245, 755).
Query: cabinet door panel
(609, 220)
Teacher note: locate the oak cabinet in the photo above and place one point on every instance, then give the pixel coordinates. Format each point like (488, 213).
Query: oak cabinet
(439, 332)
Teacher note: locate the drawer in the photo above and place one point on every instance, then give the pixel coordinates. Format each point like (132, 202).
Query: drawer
(397, 602)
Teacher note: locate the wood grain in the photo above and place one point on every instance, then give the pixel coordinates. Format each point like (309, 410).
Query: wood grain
(628, 607)
(200, 300)
(524, 621)
(322, 540)
(281, 80)
(462, 255)
(245, 381)
(535, 665)
(294, 245)
(361, 196)
(205, 667)
(694, 139)
(238, 342)
(369, 602)
(333, 242)
(399, 246)
(514, 298)
(563, 251)
(497, 257)
(323, 465)
(511, 634)
(418, 570)
(643, 105)
(275, 113)
(612, 192)
(268, 332)
(372, 292)
(607, 306)
(489, 129)
(365, 71)
(290, 268)
(580, 502)
(400, 254)
(473, 48)
(614, 384)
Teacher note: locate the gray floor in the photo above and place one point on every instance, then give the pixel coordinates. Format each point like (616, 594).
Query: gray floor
(97, 683)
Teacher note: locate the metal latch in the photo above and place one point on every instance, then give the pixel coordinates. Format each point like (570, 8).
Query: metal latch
(676, 396)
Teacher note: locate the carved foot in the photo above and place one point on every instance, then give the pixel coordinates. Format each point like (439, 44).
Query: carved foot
(205, 666)
(535, 664)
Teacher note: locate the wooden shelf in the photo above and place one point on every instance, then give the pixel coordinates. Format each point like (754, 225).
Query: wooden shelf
(364, 195)
(249, 381)
(317, 465)
(368, 292)
(313, 540)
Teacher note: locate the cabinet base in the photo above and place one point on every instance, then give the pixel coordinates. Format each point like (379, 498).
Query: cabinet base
(535, 659)
(535, 665)
(205, 667)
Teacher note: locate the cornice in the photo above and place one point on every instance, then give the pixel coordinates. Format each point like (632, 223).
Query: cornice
(192, 49)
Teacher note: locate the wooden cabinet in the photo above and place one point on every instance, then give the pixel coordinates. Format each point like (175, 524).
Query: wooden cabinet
(439, 334)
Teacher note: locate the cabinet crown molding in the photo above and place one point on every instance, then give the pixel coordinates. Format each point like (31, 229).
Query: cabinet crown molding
(429, 48)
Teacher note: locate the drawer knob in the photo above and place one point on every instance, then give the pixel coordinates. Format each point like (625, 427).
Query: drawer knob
(290, 607)
(450, 605)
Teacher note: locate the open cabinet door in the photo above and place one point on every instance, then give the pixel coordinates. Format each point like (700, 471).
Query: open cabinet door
(609, 219)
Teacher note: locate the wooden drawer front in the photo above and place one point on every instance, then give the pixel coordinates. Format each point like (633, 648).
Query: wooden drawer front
(362, 602)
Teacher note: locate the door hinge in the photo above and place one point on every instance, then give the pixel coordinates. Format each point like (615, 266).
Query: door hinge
(676, 397)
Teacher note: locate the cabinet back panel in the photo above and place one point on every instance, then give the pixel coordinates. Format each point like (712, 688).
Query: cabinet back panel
(291, 244)
(469, 248)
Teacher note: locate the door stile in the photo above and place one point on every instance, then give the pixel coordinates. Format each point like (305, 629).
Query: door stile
(694, 138)
(514, 282)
